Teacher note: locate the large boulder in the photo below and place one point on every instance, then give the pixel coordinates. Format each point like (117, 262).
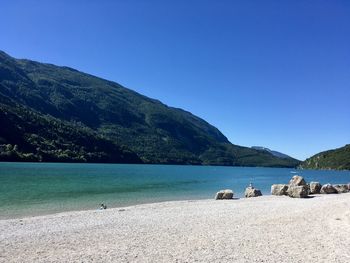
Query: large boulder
(298, 191)
(341, 188)
(315, 187)
(279, 189)
(224, 194)
(297, 180)
(252, 192)
(328, 189)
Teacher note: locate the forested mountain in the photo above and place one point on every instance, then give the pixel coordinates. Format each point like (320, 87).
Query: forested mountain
(338, 159)
(52, 113)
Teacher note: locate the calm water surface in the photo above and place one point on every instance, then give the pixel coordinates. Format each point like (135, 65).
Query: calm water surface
(42, 188)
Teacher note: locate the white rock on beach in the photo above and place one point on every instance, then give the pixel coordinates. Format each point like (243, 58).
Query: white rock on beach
(297, 180)
(315, 187)
(341, 188)
(328, 189)
(224, 194)
(279, 189)
(298, 191)
(252, 192)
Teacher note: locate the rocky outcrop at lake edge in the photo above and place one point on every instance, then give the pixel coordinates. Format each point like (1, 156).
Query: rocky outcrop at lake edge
(299, 188)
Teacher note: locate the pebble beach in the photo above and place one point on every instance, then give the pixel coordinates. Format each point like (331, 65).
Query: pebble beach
(261, 229)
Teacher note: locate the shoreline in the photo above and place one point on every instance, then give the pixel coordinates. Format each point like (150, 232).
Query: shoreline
(261, 229)
(108, 208)
(171, 202)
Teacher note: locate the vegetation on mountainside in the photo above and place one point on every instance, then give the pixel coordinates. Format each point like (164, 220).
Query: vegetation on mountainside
(34, 137)
(337, 159)
(51, 113)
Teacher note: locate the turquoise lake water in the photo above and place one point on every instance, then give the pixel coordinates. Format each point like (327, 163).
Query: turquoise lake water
(42, 188)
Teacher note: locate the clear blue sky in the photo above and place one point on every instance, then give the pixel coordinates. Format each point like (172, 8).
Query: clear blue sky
(269, 73)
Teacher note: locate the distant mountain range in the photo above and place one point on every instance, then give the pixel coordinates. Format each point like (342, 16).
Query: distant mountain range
(274, 153)
(58, 114)
(337, 159)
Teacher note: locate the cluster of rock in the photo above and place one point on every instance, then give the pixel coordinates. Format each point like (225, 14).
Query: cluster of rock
(250, 191)
(298, 188)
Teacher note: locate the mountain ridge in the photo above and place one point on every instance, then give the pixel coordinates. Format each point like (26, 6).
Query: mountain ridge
(335, 159)
(40, 102)
(273, 152)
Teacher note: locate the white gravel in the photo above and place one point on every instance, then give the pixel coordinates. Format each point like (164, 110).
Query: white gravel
(262, 229)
